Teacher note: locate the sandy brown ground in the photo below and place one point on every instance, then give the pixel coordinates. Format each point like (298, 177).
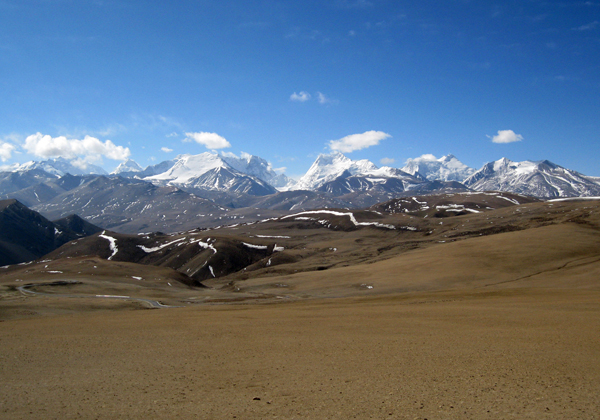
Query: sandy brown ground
(498, 354)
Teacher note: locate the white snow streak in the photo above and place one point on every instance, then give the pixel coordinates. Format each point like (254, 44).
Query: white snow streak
(509, 199)
(158, 248)
(255, 246)
(337, 213)
(113, 244)
(573, 199)
(207, 246)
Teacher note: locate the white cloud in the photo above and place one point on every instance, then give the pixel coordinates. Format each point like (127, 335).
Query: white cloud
(89, 149)
(300, 97)
(173, 134)
(426, 157)
(387, 161)
(210, 140)
(506, 136)
(166, 149)
(358, 141)
(6, 150)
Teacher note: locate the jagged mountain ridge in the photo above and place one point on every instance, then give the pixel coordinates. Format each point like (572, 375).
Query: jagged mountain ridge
(212, 172)
(333, 173)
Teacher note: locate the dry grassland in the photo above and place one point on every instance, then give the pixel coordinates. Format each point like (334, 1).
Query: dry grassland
(505, 326)
(522, 353)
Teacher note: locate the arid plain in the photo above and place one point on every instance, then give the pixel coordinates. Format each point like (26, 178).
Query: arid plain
(493, 315)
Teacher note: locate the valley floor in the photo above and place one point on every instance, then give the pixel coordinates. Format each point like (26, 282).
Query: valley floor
(488, 354)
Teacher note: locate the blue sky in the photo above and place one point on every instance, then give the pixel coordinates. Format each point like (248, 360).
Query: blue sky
(287, 80)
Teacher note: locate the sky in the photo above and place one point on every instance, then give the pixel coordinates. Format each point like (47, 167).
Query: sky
(101, 81)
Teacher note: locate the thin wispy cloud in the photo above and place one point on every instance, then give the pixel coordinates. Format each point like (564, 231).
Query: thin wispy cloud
(323, 99)
(587, 27)
(166, 149)
(300, 97)
(358, 141)
(387, 161)
(304, 96)
(506, 136)
(210, 140)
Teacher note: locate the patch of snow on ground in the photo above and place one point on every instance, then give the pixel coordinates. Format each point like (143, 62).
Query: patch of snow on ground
(113, 244)
(337, 213)
(573, 199)
(275, 237)
(158, 248)
(278, 248)
(211, 271)
(509, 199)
(255, 246)
(206, 245)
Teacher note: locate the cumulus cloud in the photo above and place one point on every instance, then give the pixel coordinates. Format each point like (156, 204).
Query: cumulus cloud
(166, 149)
(506, 136)
(358, 141)
(387, 161)
(90, 149)
(6, 150)
(210, 140)
(428, 157)
(300, 97)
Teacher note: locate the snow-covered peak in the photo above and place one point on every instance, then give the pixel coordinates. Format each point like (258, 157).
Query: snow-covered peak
(328, 167)
(127, 166)
(251, 165)
(446, 168)
(189, 166)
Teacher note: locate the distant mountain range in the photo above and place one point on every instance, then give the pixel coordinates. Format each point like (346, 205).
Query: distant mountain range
(211, 189)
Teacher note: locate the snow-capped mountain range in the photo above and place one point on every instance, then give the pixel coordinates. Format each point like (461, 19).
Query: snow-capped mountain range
(334, 173)
(60, 167)
(539, 179)
(446, 168)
